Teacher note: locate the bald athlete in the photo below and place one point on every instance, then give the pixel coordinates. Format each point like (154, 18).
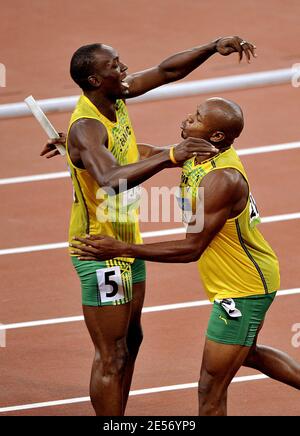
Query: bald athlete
(238, 268)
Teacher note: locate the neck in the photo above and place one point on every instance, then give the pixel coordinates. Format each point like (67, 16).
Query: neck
(105, 105)
(223, 147)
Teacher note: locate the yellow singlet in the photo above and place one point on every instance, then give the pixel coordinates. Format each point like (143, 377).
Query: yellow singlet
(238, 262)
(93, 210)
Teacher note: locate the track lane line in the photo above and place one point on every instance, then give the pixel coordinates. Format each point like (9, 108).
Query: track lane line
(150, 309)
(145, 235)
(64, 174)
(132, 394)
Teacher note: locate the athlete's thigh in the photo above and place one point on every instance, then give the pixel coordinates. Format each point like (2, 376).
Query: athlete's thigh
(249, 359)
(220, 363)
(137, 302)
(138, 291)
(107, 325)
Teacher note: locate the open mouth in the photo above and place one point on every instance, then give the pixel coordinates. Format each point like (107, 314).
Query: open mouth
(123, 81)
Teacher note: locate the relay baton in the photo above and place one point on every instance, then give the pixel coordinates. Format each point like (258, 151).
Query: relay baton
(44, 122)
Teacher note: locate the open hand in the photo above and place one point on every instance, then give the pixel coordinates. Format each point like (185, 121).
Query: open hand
(97, 247)
(192, 147)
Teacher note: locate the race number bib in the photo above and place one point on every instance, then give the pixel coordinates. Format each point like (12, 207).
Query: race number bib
(254, 217)
(110, 286)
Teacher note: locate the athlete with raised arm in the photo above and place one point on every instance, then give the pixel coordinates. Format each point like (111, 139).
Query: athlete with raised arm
(102, 151)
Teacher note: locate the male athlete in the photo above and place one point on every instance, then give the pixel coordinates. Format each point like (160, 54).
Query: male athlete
(102, 152)
(238, 268)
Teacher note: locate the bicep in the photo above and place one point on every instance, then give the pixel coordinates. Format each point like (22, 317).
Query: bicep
(212, 223)
(213, 211)
(144, 81)
(90, 138)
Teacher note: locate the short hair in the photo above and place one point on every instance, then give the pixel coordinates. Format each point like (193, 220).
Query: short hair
(82, 65)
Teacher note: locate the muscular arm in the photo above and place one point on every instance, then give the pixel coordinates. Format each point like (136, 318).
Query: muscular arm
(87, 149)
(220, 197)
(148, 150)
(88, 139)
(174, 68)
(181, 64)
(226, 195)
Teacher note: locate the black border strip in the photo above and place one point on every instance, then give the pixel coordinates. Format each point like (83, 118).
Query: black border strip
(242, 242)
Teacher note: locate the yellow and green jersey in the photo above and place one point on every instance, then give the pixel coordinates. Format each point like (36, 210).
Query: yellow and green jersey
(238, 262)
(93, 210)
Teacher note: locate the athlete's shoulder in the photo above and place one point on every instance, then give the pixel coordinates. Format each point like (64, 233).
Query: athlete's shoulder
(226, 183)
(87, 125)
(224, 177)
(85, 130)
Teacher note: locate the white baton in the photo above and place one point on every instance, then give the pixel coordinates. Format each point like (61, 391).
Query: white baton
(44, 122)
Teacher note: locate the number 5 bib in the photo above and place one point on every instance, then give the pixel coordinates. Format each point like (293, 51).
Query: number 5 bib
(110, 284)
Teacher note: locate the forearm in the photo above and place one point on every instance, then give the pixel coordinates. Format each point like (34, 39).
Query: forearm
(181, 64)
(138, 172)
(148, 150)
(179, 251)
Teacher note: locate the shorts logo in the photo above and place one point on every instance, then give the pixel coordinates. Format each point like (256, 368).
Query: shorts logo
(224, 319)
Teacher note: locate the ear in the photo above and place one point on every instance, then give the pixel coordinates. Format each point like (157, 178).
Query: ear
(94, 81)
(217, 137)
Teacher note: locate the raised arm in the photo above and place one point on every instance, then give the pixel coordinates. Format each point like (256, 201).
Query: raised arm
(179, 65)
(226, 195)
(87, 148)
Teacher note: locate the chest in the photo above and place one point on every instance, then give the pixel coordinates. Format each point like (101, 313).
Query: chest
(122, 143)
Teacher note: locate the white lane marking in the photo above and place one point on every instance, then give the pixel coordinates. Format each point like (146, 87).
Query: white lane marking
(33, 248)
(35, 178)
(2, 337)
(153, 234)
(268, 148)
(64, 174)
(278, 218)
(151, 309)
(243, 379)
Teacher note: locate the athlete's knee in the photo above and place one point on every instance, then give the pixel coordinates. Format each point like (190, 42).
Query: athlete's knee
(211, 389)
(212, 397)
(112, 362)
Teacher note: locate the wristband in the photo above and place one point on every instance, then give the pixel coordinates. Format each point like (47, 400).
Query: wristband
(172, 158)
